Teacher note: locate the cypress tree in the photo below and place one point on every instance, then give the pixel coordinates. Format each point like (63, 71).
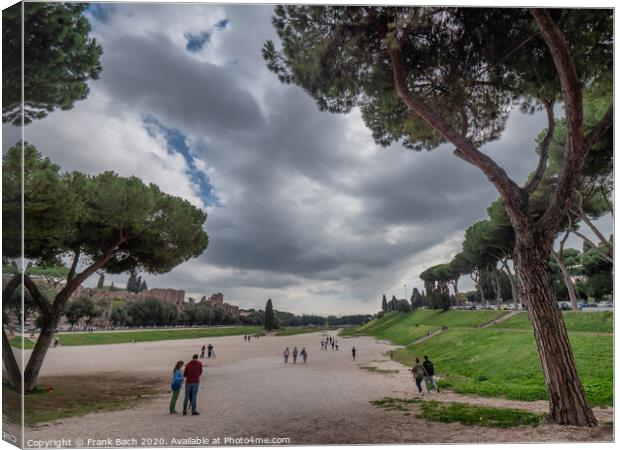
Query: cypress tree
(384, 305)
(143, 286)
(269, 321)
(101, 281)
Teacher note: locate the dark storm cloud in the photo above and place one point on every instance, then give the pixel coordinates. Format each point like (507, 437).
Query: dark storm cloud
(150, 73)
(308, 203)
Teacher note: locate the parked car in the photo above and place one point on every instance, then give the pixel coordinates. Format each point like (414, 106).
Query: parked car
(565, 306)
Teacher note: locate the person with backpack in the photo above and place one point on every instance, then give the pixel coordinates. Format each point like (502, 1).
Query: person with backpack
(430, 373)
(418, 374)
(192, 373)
(175, 385)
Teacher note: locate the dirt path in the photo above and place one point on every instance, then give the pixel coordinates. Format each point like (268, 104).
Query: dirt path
(500, 319)
(247, 392)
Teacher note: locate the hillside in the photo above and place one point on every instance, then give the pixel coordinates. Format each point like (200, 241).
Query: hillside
(501, 360)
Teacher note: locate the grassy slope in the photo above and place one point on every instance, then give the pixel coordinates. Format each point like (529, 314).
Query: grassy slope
(600, 321)
(403, 329)
(120, 337)
(496, 363)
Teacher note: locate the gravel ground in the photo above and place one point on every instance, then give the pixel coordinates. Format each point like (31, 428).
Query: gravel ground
(247, 393)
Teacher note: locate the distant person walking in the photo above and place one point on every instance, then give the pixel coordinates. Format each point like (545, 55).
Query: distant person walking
(295, 355)
(209, 351)
(175, 386)
(353, 353)
(418, 374)
(286, 353)
(430, 373)
(202, 352)
(304, 355)
(322, 344)
(192, 373)
(336, 342)
(333, 344)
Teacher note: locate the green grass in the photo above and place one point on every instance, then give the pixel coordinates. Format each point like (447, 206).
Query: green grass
(478, 415)
(17, 343)
(500, 363)
(461, 412)
(403, 329)
(291, 331)
(120, 337)
(598, 322)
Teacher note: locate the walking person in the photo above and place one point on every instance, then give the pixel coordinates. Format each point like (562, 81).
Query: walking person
(295, 355)
(286, 353)
(333, 344)
(304, 355)
(418, 374)
(192, 373)
(209, 351)
(322, 344)
(202, 352)
(175, 386)
(430, 374)
(353, 353)
(336, 342)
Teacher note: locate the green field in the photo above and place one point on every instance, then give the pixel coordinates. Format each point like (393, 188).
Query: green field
(403, 329)
(121, 337)
(598, 322)
(461, 412)
(498, 363)
(17, 343)
(291, 331)
(502, 360)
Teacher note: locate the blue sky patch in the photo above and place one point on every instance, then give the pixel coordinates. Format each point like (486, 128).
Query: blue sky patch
(196, 42)
(177, 143)
(100, 11)
(221, 24)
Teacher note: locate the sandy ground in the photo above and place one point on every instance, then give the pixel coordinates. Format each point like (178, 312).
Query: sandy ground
(247, 392)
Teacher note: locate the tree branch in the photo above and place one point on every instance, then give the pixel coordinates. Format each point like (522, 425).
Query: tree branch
(509, 190)
(583, 216)
(38, 298)
(72, 285)
(76, 258)
(601, 128)
(533, 184)
(575, 152)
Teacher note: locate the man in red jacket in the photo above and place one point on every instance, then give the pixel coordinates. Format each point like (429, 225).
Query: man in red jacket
(193, 370)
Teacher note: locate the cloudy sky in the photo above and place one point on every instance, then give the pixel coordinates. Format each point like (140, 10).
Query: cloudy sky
(303, 207)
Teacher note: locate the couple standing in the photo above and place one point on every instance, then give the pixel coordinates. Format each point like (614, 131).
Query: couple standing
(192, 373)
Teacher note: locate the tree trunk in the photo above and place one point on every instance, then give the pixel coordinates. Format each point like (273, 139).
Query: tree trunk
(8, 357)
(498, 287)
(514, 286)
(31, 374)
(567, 400)
(10, 363)
(483, 300)
(570, 286)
